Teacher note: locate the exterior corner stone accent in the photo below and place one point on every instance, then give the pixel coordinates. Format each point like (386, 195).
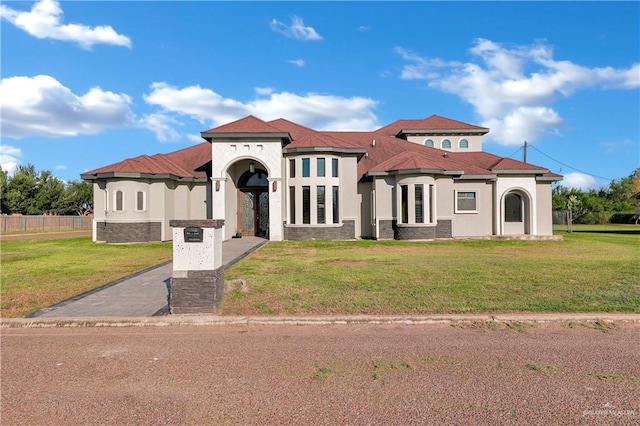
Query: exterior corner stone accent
(128, 232)
(198, 292)
(347, 231)
(413, 232)
(386, 229)
(444, 229)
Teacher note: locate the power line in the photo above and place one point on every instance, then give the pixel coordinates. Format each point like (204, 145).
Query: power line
(566, 165)
(519, 149)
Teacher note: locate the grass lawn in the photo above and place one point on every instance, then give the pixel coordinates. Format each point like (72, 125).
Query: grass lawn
(40, 272)
(587, 272)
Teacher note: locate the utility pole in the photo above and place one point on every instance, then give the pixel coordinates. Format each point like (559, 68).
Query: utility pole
(525, 151)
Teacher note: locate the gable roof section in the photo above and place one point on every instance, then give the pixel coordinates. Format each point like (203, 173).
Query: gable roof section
(181, 164)
(245, 127)
(434, 124)
(306, 139)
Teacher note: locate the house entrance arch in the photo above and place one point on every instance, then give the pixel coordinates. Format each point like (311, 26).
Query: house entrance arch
(516, 213)
(253, 203)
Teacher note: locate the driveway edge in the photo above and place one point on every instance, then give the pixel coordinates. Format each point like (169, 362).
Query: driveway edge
(214, 320)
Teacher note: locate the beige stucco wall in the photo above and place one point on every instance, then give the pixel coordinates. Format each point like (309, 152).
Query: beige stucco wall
(473, 224)
(544, 208)
(367, 226)
(475, 142)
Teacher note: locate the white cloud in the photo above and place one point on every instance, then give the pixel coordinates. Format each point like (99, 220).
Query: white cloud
(297, 62)
(60, 167)
(9, 158)
(296, 30)
(160, 124)
(612, 147)
(42, 106)
(579, 181)
(264, 90)
(323, 112)
(363, 28)
(44, 21)
(511, 88)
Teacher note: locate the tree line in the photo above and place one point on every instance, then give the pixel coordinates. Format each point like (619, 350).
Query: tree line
(31, 192)
(611, 204)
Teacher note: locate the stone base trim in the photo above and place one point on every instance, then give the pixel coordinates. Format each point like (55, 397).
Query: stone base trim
(196, 291)
(386, 229)
(128, 232)
(415, 232)
(346, 231)
(444, 229)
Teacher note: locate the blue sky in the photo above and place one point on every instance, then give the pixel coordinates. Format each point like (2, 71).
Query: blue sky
(86, 84)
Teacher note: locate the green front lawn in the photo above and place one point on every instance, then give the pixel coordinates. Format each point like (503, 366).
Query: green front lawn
(587, 272)
(37, 273)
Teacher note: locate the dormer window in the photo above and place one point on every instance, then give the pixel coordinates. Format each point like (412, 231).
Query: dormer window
(463, 144)
(429, 143)
(446, 144)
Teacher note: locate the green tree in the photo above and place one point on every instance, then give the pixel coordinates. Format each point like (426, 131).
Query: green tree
(49, 191)
(22, 189)
(77, 199)
(4, 179)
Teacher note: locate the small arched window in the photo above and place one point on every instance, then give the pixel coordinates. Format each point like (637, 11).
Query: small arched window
(446, 144)
(119, 201)
(463, 144)
(428, 142)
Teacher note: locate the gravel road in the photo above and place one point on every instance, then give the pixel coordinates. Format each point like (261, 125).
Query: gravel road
(463, 373)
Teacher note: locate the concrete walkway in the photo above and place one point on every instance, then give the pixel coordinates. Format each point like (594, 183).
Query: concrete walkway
(143, 294)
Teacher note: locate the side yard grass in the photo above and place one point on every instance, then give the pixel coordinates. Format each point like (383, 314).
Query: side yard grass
(39, 272)
(587, 272)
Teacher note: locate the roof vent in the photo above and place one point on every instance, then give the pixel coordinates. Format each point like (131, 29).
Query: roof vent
(373, 143)
(445, 155)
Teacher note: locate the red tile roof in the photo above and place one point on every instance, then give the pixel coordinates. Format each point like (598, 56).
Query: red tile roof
(182, 163)
(384, 152)
(249, 124)
(435, 122)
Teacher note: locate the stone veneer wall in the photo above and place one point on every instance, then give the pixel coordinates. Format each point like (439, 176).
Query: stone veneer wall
(197, 292)
(414, 232)
(345, 232)
(128, 232)
(444, 229)
(386, 229)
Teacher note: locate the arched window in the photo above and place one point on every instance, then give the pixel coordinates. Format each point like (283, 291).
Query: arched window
(446, 144)
(463, 144)
(513, 208)
(428, 142)
(119, 195)
(256, 179)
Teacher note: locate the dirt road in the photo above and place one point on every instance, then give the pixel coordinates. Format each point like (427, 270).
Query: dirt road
(468, 373)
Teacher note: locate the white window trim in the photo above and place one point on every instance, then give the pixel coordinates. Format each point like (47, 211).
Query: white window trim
(115, 201)
(455, 195)
(144, 202)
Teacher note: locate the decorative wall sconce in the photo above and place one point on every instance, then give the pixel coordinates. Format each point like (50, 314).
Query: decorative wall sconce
(217, 185)
(251, 168)
(275, 185)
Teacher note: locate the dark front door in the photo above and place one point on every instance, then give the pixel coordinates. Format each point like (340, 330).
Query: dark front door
(253, 204)
(253, 212)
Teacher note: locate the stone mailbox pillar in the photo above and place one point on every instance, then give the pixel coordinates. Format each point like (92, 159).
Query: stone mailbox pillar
(197, 279)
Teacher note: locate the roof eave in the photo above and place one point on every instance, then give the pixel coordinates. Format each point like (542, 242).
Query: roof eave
(211, 136)
(425, 132)
(131, 175)
(520, 171)
(476, 177)
(548, 178)
(312, 149)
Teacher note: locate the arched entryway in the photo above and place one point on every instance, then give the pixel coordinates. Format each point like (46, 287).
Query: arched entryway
(516, 213)
(253, 203)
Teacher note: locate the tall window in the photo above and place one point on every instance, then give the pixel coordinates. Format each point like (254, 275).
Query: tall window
(140, 201)
(463, 144)
(320, 204)
(336, 208)
(404, 190)
(119, 201)
(292, 205)
(466, 201)
(446, 144)
(419, 195)
(292, 168)
(513, 208)
(320, 167)
(428, 142)
(305, 167)
(306, 204)
(334, 167)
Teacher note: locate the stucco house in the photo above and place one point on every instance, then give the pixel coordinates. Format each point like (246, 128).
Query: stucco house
(410, 180)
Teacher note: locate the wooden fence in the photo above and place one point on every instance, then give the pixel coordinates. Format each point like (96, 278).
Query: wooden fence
(34, 223)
